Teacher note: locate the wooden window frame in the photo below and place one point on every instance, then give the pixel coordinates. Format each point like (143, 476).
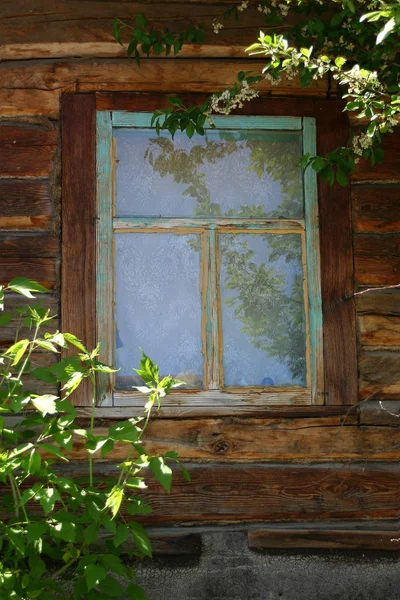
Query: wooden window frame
(79, 243)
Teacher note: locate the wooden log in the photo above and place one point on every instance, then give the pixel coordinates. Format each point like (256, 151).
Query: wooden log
(377, 330)
(21, 245)
(268, 493)
(376, 208)
(389, 170)
(380, 302)
(175, 544)
(379, 375)
(29, 102)
(154, 74)
(42, 270)
(25, 204)
(380, 412)
(269, 440)
(334, 539)
(26, 150)
(377, 259)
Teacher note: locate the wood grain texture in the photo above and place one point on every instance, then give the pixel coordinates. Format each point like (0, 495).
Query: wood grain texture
(336, 266)
(263, 440)
(25, 204)
(29, 102)
(380, 412)
(389, 170)
(379, 375)
(272, 493)
(21, 245)
(78, 292)
(12, 302)
(377, 258)
(378, 330)
(333, 539)
(26, 150)
(376, 208)
(42, 270)
(380, 302)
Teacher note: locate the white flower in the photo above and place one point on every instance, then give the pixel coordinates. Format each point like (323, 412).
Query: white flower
(243, 6)
(217, 26)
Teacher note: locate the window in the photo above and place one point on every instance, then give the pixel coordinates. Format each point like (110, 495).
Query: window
(208, 258)
(92, 227)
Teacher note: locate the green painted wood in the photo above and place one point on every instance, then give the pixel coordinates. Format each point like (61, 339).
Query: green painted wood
(129, 119)
(104, 241)
(291, 225)
(313, 265)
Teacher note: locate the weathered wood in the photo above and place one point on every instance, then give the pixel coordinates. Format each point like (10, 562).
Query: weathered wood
(379, 412)
(263, 105)
(175, 544)
(78, 300)
(336, 266)
(42, 270)
(29, 102)
(376, 208)
(25, 204)
(267, 440)
(389, 170)
(154, 74)
(21, 245)
(261, 493)
(377, 330)
(14, 301)
(381, 302)
(333, 539)
(26, 150)
(377, 259)
(379, 375)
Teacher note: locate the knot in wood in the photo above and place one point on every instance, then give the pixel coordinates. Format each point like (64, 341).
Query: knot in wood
(221, 447)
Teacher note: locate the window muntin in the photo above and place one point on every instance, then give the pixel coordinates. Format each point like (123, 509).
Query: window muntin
(275, 221)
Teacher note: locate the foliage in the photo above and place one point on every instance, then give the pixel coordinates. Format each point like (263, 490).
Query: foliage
(55, 522)
(353, 41)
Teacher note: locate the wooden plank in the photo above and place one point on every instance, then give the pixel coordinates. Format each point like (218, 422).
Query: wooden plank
(269, 493)
(380, 412)
(155, 74)
(26, 150)
(42, 270)
(21, 245)
(336, 266)
(261, 106)
(376, 208)
(389, 170)
(175, 544)
(333, 539)
(330, 439)
(78, 299)
(25, 204)
(379, 375)
(381, 302)
(377, 259)
(377, 330)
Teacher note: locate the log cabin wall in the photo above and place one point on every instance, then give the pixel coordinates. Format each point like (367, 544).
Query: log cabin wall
(282, 480)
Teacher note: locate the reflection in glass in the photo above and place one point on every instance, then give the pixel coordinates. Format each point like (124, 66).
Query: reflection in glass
(158, 306)
(251, 173)
(262, 310)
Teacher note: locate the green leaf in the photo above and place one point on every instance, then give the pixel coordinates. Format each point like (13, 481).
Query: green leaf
(140, 21)
(114, 499)
(65, 531)
(24, 286)
(106, 448)
(124, 432)
(109, 585)
(48, 497)
(17, 351)
(341, 177)
(91, 533)
(34, 531)
(72, 339)
(116, 31)
(162, 472)
(175, 101)
(46, 345)
(185, 472)
(113, 563)
(43, 374)
(141, 538)
(93, 575)
(318, 164)
(135, 592)
(388, 28)
(45, 404)
(121, 535)
(17, 540)
(5, 318)
(37, 566)
(51, 449)
(190, 129)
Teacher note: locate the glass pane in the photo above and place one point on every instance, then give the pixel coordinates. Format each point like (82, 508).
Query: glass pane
(251, 173)
(158, 305)
(262, 308)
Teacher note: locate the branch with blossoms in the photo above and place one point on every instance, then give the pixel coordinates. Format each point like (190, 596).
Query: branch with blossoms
(355, 42)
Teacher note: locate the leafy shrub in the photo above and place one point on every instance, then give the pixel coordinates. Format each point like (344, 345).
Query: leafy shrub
(54, 524)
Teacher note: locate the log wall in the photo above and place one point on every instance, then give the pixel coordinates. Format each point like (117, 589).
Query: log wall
(309, 466)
